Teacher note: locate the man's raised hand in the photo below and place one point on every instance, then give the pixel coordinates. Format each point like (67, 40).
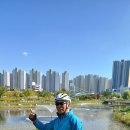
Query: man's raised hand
(32, 116)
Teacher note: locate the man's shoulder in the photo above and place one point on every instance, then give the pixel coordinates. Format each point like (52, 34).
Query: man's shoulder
(75, 122)
(73, 117)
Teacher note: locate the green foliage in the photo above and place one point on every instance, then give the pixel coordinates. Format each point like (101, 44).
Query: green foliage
(127, 109)
(107, 94)
(29, 92)
(122, 117)
(14, 93)
(2, 90)
(45, 94)
(8, 94)
(126, 94)
(82, 97)
(117, 95)
(21, 94)
(62, 91)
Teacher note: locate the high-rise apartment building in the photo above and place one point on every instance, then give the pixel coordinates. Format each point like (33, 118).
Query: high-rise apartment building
(44, 82)
(108, 84)
(55, 81)
(121, 74)
(32, 77)
(93, 83)
(28, 81)
(101, 84)
(6, 78)
(65, 81)
(52, 81)
(21, 80)
(48, 80)
(35, 80)
(86, 83)
(11, 81)
(72, 86)
(79, 83)
(15, 79)
(1, 79)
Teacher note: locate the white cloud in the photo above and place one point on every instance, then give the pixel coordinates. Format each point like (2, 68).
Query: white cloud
(25, 53)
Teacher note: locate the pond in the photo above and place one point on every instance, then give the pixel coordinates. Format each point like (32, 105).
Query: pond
(93, 117)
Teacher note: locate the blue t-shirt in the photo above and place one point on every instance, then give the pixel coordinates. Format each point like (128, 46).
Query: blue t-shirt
(69, 121)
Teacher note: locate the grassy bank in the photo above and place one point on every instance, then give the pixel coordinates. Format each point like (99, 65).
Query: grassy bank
(33, 102)
(123, 115)
(24, 102)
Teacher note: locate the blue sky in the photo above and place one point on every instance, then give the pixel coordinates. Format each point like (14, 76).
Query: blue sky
(80, 36)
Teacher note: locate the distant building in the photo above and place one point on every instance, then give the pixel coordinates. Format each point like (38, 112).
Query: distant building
(79, 83)
(28, 81)
(6, 78)
(71, 86)
(35, 76)
(22, 80)
(87, 82)
(104, 84)
(56, 81)
(122, 89)
(15, 79)
(121, 74)
(65, 81)
(44, 82)
(1, 79)
(48, 80)
(53, 81)
(93, 83)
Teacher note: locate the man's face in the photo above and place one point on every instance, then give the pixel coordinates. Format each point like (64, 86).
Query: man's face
(61, 107)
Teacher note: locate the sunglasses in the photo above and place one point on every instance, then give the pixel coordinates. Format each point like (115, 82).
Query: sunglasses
(59, 103)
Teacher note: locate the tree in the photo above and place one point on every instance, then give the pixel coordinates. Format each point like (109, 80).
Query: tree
(8, 94)
(14, 93)
(2, 90)
(107, 94)
(117, 95)
(126, 94)
(28, 92)
(45, 94)
(62, 91)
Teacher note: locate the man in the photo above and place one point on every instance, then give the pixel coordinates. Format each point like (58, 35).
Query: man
(66, 120)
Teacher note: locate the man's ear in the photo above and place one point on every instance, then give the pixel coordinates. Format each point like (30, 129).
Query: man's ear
(68, 104)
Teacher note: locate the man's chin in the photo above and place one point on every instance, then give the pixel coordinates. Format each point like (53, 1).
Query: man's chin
(60, 112)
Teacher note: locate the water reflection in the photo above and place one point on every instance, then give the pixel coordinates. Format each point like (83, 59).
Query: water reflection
(2, 117)
(99, 118)
(93, 117)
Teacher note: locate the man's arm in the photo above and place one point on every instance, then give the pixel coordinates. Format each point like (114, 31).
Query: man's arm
(38, 124)
(41, 126)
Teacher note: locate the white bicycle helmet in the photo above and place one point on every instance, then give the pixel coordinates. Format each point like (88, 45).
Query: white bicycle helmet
(62, 97)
